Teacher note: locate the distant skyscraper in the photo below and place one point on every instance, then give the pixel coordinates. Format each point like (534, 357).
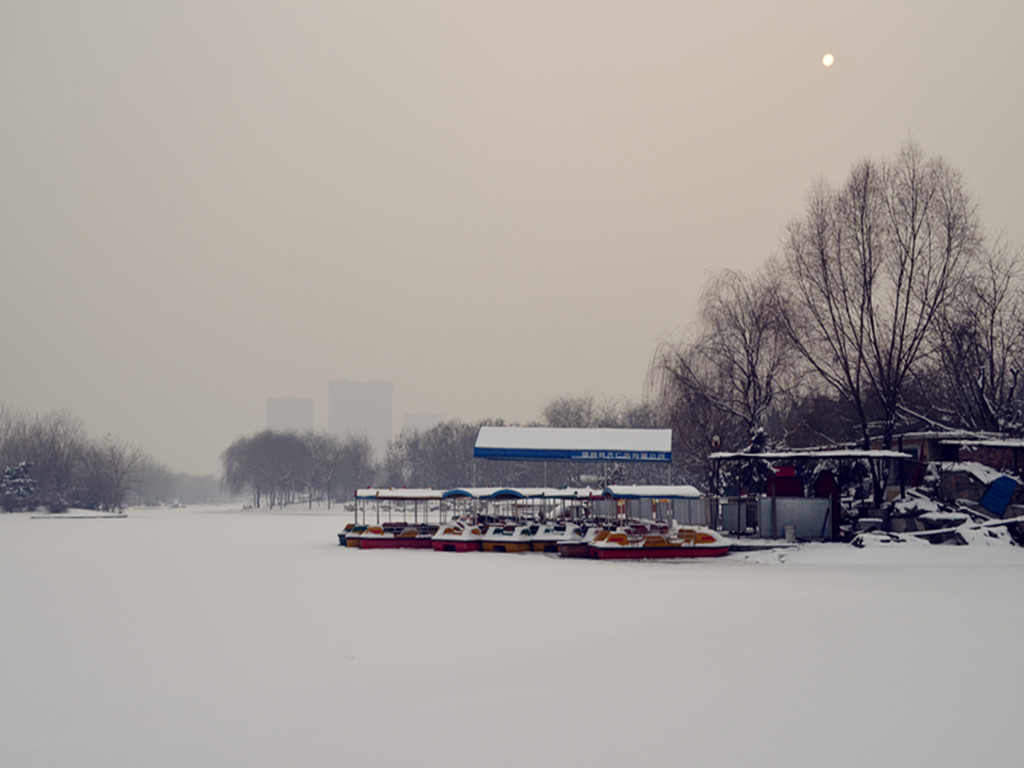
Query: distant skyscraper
(362, 408)
(290, 413)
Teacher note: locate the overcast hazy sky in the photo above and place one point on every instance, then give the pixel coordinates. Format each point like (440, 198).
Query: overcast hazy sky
(490, 204)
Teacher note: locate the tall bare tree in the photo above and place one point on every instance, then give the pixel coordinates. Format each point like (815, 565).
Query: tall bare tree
(978, 345)
(869, 266)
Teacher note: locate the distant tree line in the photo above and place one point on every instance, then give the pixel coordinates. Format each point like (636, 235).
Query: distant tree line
(49, 461)
(281, 467)
(887, 309)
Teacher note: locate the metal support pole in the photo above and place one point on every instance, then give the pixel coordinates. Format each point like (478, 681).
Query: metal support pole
(903, 476)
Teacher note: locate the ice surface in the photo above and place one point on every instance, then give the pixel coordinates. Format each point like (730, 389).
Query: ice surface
(202, 637)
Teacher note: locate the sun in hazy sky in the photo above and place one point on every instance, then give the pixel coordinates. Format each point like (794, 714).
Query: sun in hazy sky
(828, 59)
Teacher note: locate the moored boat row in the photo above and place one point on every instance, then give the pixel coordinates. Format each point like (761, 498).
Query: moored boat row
(622, 542)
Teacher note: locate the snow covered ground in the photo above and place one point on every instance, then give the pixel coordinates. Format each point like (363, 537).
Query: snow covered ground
(207, 637)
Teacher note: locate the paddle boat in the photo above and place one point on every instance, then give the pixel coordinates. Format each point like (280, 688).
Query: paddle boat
(548, 535)
(641, 542)
(350, 536)
(577, 542)
(507, 537)
(457, 536)
(397, 536)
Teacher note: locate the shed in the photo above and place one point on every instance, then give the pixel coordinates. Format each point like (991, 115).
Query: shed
(810, 518)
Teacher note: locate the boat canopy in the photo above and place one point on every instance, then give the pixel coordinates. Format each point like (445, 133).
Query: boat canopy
(551, 444)
(469, 493)
(520, 493)
(651, 492)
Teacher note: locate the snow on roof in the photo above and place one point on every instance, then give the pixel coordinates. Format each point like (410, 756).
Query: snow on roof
(995, 442)
(834, 454)
(550, 444)
(981, 472)
(407, 494)
(652, 492)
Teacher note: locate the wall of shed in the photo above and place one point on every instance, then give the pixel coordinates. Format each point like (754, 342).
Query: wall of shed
(809, 517)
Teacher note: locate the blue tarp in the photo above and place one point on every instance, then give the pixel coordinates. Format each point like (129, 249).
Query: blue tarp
(997, 497)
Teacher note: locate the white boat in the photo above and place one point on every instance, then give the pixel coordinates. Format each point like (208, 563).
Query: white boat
(458, 535)
(549, 535)
(507, 537)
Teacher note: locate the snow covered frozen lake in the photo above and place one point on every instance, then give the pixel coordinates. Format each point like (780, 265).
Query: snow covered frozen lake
(209, 637)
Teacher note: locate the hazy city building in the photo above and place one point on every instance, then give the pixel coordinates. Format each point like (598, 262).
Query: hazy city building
(362, 408)
(421, 422)
(290, 413)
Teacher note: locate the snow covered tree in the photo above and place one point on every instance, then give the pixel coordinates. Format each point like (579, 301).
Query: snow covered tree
(17, 487)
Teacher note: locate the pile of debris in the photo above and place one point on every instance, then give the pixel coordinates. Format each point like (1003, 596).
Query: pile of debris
(987, 515)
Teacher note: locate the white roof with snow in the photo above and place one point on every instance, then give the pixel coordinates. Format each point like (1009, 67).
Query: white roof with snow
(552, 444)
(851, 453)
(651, 492)
(398, 494)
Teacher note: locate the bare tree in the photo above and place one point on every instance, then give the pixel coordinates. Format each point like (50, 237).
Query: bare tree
(720, 385)
(744, 348)
(239, 473)
(868, 268)
(274, 465)
(110, 468)
(322, 466)
(978, 345)
(356, 467)
(568, 412)
(154, 484)
(442, 456)
(396, 469)
(698, 426)
(56, 443)
(277, 467)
